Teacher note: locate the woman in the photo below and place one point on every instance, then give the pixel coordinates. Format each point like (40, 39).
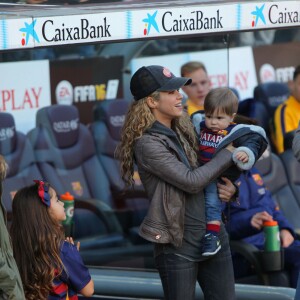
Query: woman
(159, 136)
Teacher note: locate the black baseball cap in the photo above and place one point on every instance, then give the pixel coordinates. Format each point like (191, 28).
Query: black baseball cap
(147, 80)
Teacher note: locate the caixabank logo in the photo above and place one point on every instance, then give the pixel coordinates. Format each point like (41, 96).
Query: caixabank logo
(29, 31)
(150, 22)
(170, 21)
(275, 14)
(57, 31)
(258, 15)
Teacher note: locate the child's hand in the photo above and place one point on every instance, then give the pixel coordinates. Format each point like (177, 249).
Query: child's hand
(242, 156)
(71, 241)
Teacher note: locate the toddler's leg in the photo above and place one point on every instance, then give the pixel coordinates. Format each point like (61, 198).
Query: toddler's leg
(211, 243)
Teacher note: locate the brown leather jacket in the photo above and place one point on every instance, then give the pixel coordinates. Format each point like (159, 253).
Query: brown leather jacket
(168, 183)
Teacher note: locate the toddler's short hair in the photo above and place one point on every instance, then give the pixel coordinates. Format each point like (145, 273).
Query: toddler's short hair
(222, 99)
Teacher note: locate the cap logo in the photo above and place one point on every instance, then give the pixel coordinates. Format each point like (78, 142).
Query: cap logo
(167, 72)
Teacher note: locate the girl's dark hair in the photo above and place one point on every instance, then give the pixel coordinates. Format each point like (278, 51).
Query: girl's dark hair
(221, 99)
(36, 240)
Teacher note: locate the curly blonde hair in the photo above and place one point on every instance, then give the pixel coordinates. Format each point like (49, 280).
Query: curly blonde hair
(138, 119)
(3, 168)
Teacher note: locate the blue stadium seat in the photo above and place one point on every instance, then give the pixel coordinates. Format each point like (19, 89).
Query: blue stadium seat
(66, 157)
(247, 108)
(19, 155)
(106, 128)
(292, 169)
(276, 179)
(267, 97)
(66, 154)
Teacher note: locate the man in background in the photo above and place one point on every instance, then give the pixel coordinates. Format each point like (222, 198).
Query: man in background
(287, 114)
(245, 216)
(199, 88)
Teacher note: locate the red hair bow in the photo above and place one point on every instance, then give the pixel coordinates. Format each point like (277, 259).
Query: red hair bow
(43, 192)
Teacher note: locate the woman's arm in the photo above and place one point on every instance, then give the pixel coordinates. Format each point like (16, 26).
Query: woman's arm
(154, 156)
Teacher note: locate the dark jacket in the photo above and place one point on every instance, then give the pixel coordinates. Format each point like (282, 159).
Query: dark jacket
(249, 138)
(168, 181)
(296, 143)
(253, 198)
(10, 281)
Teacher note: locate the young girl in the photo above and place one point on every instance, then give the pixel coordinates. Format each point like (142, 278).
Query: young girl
(50, 267)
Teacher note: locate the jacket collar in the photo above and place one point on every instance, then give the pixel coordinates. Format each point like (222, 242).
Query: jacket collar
(159, 128)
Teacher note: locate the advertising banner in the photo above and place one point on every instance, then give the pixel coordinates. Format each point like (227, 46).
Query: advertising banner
(98, 25)
(17, 33)
(83, 82)
(81, 28)
(269, 14)
(276, 62)
(183, 20)
(24, 88)
(234, 67)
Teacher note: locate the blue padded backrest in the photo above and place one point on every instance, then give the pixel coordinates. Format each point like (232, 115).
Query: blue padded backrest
(271, 94)
(66, 153)
(18, 153)
(109, 118)
(292, 168)
(276, 180)
(267, 97)
(247, 108)
(110, 115)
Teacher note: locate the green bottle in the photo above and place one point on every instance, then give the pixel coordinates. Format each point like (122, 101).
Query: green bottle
(68, 201)
(272, 239)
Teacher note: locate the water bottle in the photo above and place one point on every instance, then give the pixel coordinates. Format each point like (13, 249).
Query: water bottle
(272, 239)
(68, 201)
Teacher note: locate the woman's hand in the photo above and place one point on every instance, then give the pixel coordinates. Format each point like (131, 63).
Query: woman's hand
(71, 241)
(226, 190)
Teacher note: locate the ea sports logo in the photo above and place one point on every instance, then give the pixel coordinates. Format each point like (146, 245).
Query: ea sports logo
(267, 73)
(64, 93)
